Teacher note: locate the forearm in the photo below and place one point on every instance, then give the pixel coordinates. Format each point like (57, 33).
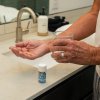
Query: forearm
(83, 27)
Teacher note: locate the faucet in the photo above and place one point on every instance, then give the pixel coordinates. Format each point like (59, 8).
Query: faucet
(19, 30)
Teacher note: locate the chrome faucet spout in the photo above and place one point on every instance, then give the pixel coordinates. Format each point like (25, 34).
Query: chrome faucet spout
(19, 30)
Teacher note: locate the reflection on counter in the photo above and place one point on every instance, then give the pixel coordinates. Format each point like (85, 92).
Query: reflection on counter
(35, 62)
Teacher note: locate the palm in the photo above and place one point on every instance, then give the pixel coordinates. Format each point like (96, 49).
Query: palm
(30, 49)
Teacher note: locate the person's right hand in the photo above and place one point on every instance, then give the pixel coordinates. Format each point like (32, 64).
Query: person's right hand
(31, 49)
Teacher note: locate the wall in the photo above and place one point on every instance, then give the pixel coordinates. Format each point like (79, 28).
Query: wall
(52, 6)
(39, 4)
(65, 5)
(73, 15)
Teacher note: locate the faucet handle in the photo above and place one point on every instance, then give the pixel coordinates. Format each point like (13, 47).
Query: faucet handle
(28, 24)
(25, 31)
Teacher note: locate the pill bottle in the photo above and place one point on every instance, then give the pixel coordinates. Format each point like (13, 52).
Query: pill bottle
(42, 68)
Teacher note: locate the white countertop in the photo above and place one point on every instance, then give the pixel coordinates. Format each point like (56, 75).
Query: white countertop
(19, 81)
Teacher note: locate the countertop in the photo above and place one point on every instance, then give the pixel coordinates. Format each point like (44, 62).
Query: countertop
(19, 81)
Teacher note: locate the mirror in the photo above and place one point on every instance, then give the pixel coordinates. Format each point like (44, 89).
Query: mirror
(9, 9)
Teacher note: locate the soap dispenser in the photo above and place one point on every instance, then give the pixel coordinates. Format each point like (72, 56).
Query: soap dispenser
(42, 24)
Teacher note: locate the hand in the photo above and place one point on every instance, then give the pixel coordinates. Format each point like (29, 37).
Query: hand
(77, 52)
(31, 49)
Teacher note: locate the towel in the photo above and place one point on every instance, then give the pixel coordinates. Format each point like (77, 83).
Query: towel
(9, 14)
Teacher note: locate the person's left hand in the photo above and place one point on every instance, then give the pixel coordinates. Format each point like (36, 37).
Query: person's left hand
(31, 49)
(77, 52)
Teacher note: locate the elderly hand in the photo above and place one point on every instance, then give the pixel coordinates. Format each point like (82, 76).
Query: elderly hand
(77, 52)
(30, 49)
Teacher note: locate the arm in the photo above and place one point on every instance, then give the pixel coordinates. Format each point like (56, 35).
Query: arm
(85, 25)
(79, 52)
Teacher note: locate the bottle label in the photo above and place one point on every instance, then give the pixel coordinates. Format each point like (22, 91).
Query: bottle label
(42, 77)
(42, 25)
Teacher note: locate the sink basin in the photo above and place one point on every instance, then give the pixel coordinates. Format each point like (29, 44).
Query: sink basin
(46, 59)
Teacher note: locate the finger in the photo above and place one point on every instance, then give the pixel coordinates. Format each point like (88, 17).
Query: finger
(62, 55)
(22, 44)
(61, 42)
(31, 46)
(69, 46)
(58, 48)
(57, 55)
(15, 51)
(63, 60)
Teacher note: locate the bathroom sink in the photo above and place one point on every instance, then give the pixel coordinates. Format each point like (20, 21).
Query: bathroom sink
(46, 59)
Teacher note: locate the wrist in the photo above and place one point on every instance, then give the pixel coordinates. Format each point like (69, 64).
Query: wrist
(48, 43)
(95, 56)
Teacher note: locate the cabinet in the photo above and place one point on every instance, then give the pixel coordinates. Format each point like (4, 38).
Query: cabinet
(77, 87)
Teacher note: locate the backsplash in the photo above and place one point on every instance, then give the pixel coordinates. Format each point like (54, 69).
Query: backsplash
(9, 30)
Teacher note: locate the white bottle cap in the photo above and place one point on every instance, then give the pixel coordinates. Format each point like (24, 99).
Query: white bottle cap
(42, 67)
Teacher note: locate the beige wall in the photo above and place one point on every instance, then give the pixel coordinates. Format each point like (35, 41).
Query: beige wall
(73, 15)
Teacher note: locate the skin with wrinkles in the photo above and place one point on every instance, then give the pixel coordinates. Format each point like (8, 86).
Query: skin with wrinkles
(74, 51)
